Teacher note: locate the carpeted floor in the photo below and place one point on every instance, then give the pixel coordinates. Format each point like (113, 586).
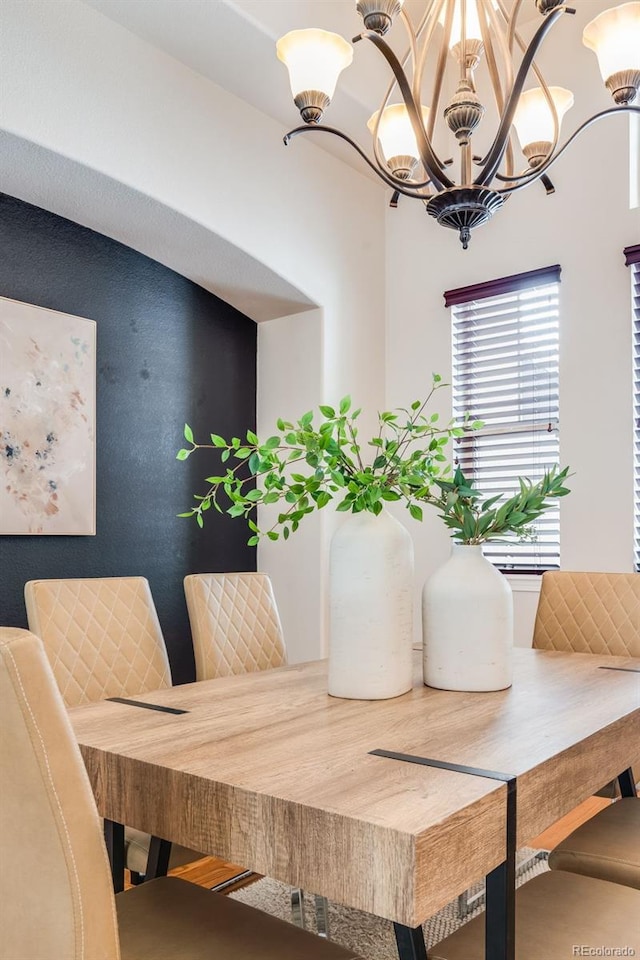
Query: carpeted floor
(369, 936)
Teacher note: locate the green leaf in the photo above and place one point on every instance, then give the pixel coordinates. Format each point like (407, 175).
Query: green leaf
(182, 454)
(328, 412)
(188, 433)
(225, 455)
(345, 404)
(415, 511)
(251, 438)
(273, 535)
(272, 443)
(189, 513)
(254, 463)
(199, 520)
(218, 441)
(253, 541)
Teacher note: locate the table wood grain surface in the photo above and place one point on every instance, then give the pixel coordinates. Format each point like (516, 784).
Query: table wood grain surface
(267, 770)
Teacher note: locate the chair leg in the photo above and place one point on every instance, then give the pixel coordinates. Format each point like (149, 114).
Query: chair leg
(297, 908)
(136, 878)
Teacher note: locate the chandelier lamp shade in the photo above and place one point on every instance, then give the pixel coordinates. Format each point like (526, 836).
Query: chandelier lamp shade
(474, 49)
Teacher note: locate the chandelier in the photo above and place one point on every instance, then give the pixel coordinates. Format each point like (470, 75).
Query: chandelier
(480, 40)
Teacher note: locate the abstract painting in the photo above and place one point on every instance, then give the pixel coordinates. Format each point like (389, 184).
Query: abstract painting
(47, 421)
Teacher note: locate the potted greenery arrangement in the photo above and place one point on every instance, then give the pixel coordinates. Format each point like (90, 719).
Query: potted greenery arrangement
(467, 606)
(310, 463)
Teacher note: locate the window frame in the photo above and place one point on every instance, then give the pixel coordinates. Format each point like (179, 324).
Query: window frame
(492, 289)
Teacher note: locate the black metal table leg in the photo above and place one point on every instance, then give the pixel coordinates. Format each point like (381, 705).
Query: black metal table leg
(627, 783)
(500, 926)
(410, 941)
(158, 859)
(114, 839)
(500, 917)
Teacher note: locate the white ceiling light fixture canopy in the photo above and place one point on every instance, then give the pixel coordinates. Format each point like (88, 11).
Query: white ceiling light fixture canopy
(479, 41)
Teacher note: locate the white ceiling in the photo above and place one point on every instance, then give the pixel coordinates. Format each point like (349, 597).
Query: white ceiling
(232, 42)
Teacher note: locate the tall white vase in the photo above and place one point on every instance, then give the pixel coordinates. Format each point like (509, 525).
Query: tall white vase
(467, 624)
(371, 608)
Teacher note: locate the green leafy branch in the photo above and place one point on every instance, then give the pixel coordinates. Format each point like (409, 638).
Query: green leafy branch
(474, 520)
(305, 466)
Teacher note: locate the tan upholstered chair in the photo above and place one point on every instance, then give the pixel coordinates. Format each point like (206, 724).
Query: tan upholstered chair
(589, 613)
(59, 904)
(595, 613)
(555, 913)
(234, 623)
(607, 846)
(236, 629)
(103, 639)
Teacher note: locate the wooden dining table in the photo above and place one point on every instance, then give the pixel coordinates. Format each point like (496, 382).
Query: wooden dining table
(394, 807)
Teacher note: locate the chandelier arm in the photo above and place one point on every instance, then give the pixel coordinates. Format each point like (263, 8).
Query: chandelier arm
(440, 69)
(499, 144)
(494, 74)
(376, 143)
(433, 166)
(399, 186)
(511, 20)
(543, 85)
(406, 19)
(463, 43)
(429, 23)
(533, 175)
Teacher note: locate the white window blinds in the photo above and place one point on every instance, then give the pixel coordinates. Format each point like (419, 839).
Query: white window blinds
(632, 255)
(505, 373)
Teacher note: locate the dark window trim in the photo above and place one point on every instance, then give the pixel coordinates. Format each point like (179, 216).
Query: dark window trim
(632, 254)
(495, 288)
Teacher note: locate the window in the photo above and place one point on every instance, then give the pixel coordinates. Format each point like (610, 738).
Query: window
(632, 256)
(505, 373)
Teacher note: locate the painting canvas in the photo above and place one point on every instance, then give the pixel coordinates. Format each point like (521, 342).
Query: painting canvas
(47, 421)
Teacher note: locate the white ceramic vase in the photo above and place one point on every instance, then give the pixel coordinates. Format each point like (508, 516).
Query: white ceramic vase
(467, 624)
(371, 608)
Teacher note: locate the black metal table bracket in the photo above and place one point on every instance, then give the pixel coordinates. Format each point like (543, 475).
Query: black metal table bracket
(622, 669)
(146, 706)
(500, 921)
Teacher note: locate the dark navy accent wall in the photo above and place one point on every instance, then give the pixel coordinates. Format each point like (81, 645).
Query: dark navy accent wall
(168, 352)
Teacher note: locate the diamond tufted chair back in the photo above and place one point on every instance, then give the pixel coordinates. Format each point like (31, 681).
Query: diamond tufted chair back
(234, 623)
(595, 613)
(101, 635)
(56, 897)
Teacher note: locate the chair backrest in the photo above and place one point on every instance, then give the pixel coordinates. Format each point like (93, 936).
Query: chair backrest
(101, 635)
(589, 613)
(56, 895)
(234, 623)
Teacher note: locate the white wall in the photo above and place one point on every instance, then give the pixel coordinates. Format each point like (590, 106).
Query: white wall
(84, 88)
(584, 227)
